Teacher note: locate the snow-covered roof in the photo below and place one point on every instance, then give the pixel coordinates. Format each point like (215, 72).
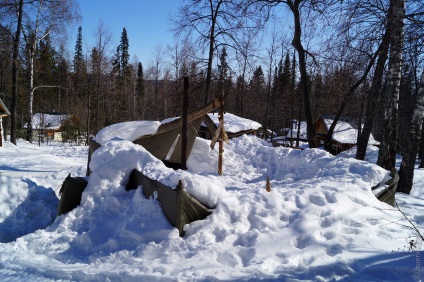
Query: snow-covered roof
(344, 132)
(48, 121)
(233, 123)
(130, 130)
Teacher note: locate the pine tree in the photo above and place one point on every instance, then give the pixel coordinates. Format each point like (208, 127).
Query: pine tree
(79, 68)
(120, 63)
(140, 82)
(257, 95)
(223, 66)
(286, 79)
(79, 55)
(46, 74)
(140, 89)
(122, 72)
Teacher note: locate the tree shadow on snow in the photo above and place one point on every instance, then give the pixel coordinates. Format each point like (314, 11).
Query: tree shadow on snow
(37, 211)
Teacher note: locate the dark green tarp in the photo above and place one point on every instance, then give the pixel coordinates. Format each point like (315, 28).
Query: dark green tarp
(178, 206)
(71, 192)
(387, 195)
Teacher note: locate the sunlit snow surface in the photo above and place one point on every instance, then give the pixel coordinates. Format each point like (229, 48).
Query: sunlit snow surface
(320, 222)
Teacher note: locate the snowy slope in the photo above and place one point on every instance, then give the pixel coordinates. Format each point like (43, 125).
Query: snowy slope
(320, 222)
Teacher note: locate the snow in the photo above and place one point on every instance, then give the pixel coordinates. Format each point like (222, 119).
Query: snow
(292, 132)
(233, 123)
(320, 222)
(47, 121)
(345, 133)
(130, 130)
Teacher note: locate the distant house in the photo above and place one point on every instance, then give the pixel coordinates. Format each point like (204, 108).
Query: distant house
(234, 126)
(344, 135)
(4, 112)
(55, 126)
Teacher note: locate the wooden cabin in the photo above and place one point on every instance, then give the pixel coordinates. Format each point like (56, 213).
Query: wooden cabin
(344, 135)
(55, 126)
(4, 112)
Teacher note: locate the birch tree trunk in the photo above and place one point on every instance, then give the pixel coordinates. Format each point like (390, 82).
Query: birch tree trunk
(387, 152)
(28, 136)
(406, 172)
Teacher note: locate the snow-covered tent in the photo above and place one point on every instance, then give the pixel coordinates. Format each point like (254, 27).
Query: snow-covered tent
(234, 125)
(163, 140)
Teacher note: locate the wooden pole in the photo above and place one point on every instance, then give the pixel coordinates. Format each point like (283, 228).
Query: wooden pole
(184, 126)
(221, 133)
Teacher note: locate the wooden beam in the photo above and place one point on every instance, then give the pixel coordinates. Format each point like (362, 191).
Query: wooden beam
(221, 133)
(217, 133)
(190, 117)
(184, 126)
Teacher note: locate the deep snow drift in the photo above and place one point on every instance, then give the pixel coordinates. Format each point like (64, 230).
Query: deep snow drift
(319, 222)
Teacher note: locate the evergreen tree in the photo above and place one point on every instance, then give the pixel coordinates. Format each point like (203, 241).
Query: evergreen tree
(257, 97)
(63, 69)
(140, 89)
(80, 69)
(78, 56)
(122, 72)
(140, 82)
(223, 65)
(120, 63)
(286, 73)
(46, 74)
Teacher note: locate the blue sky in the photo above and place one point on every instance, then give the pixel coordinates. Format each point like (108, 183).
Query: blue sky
(146, 22)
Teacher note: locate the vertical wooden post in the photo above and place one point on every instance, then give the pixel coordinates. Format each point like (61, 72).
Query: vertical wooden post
(221, 135)
(184, 126)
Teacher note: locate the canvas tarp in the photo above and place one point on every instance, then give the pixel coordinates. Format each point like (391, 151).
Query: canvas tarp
(71, 192)
(178, 206)
(160, 144)
(387, 195)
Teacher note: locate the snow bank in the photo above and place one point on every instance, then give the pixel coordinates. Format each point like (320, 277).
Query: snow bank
(320, 222)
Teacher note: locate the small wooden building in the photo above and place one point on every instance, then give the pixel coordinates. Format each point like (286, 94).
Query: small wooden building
(344, 135)
(51, 126)
(4, 112)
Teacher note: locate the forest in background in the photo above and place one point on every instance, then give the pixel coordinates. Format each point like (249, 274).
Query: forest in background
(274, 61)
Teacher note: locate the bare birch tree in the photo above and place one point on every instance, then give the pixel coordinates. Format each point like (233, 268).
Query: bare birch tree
(387, 152)
(41, 18)
(215, 22)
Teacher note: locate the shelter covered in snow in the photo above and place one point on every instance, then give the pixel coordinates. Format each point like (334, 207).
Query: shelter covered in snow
(162, 139)
(234, 125)
(4, 112)
(344, 135)
(166, 142)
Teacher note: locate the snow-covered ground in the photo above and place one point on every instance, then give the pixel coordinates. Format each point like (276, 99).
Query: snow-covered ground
(320, 222)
